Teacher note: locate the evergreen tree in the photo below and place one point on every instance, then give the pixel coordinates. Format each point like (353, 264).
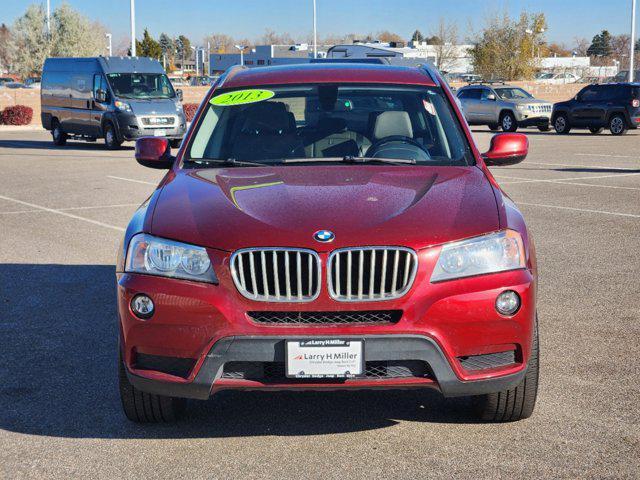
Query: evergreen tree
(417, 36)
(148, 47)
(600, 45)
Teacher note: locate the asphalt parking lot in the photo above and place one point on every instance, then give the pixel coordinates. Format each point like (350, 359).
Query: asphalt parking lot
(62, 214)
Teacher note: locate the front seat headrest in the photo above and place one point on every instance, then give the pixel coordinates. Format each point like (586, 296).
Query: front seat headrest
(392, 123)
(267, 118)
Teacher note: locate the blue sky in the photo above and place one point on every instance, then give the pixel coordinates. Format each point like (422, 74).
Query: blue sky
(243, 18)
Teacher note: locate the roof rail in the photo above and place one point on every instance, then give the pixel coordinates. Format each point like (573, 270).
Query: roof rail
(487, 82)
(229, 73)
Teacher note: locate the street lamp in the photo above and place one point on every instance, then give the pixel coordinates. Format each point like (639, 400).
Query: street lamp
(633, 41)
(315, 32)
(241, 48)
(195, 49)
(108, 35)
(132, 5)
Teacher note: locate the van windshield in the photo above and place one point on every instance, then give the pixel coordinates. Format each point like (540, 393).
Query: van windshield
(141, 86)
(316, 122)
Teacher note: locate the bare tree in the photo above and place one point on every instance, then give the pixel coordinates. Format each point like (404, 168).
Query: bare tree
(272, 38)
(446, 49)
(581, 45)
(387, 36)
(6, 53)
(221, 43)
(620, 46)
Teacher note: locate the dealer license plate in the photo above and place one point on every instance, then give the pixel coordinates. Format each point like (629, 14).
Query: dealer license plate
(325, 358)
(160, 132)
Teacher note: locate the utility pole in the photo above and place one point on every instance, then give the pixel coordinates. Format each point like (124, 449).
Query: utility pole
(241, 48)
(108, 35)
(633, 41)
(49, 19)
(133, 27)
(315, 32)
(208, 59)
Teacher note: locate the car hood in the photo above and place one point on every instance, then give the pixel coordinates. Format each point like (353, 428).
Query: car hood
(157, 106)
(529, 101)
(362, 205)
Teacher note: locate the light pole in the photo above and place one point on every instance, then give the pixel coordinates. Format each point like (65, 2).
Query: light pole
(241, 48)
(633, 41)
(195, 50)
(315, 32)
(49, 19)
(133, 27)
(108, 35)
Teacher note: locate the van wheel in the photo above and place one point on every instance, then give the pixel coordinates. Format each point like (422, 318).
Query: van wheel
(142, 407)
(561, 124)
(516, 403)
(596, 130)
(111, 140)
(508, 122)
(59, 137)
(618, 125)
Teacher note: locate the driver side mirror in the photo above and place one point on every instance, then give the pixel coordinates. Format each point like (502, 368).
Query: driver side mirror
(506, 149)
(101, 95)
(179, 94)
(154, 152)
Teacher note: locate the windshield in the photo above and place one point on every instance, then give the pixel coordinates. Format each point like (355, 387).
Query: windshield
(315, 122)
(512, 93)
(141, 85)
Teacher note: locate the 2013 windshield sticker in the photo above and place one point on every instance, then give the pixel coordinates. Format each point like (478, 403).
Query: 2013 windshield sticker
(241, 97)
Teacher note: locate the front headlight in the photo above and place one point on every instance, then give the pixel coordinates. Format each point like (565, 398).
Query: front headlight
(495, 252)
(123, 106)
(522, 108)
(158, 256)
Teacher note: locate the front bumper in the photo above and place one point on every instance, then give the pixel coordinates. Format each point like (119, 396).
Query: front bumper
(130, 127)
(529, 120)
(441, 324)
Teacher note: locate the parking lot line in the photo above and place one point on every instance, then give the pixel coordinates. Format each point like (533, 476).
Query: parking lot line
(586, 210)
(60, 212)
(567, 181)
(13, 212)
(599, 167)
(132, 180)
(603, 155)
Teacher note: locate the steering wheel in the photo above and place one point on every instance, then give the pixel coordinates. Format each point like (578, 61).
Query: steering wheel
(377, 146)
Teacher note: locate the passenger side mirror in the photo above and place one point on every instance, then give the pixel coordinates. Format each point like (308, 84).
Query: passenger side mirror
(506, 149)
(491, 97)
(179, 94)
(101, 96)
(154, 152)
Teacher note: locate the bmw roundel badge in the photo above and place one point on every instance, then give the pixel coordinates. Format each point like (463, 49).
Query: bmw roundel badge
(324, 236)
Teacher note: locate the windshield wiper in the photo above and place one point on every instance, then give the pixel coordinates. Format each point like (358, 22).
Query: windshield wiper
(229, 162)
(351, 159)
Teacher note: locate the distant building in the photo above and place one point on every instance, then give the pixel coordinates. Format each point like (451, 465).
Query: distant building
(414, 53)
(264, 55)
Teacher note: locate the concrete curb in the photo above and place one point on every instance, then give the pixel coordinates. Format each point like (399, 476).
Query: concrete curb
(20, 128)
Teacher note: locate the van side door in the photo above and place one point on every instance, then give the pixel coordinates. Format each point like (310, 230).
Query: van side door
(99, 104)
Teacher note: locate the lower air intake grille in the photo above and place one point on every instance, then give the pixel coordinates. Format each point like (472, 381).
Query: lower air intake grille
(180, 367)
(371, 273)
(379, 317)
(490, 360)
(274, 372)
(276, 274)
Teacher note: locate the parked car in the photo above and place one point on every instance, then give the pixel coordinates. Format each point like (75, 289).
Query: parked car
(557, 78)
(499, 105)
(615, 106)
(115, 98)
(623, 76)
(14, 85)
(33, 82)
(328, 226)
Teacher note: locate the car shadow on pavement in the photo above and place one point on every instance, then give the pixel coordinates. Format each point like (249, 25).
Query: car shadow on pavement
(596, 170)
(58, 337)
(48, 145)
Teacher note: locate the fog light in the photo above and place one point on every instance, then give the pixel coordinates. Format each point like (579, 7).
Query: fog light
(508, 302)
(142, 306)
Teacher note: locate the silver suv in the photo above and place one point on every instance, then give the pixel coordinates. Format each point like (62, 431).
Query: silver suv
(500, 105)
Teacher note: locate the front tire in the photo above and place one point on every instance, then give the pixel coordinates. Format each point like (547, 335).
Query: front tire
(618, 125)
(142, 407)
(561, 124)
(508, 122)
(59, 137)
(516, 403)
(111, 140)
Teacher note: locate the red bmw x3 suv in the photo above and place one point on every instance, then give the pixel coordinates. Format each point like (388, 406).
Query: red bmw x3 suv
(328, 226)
